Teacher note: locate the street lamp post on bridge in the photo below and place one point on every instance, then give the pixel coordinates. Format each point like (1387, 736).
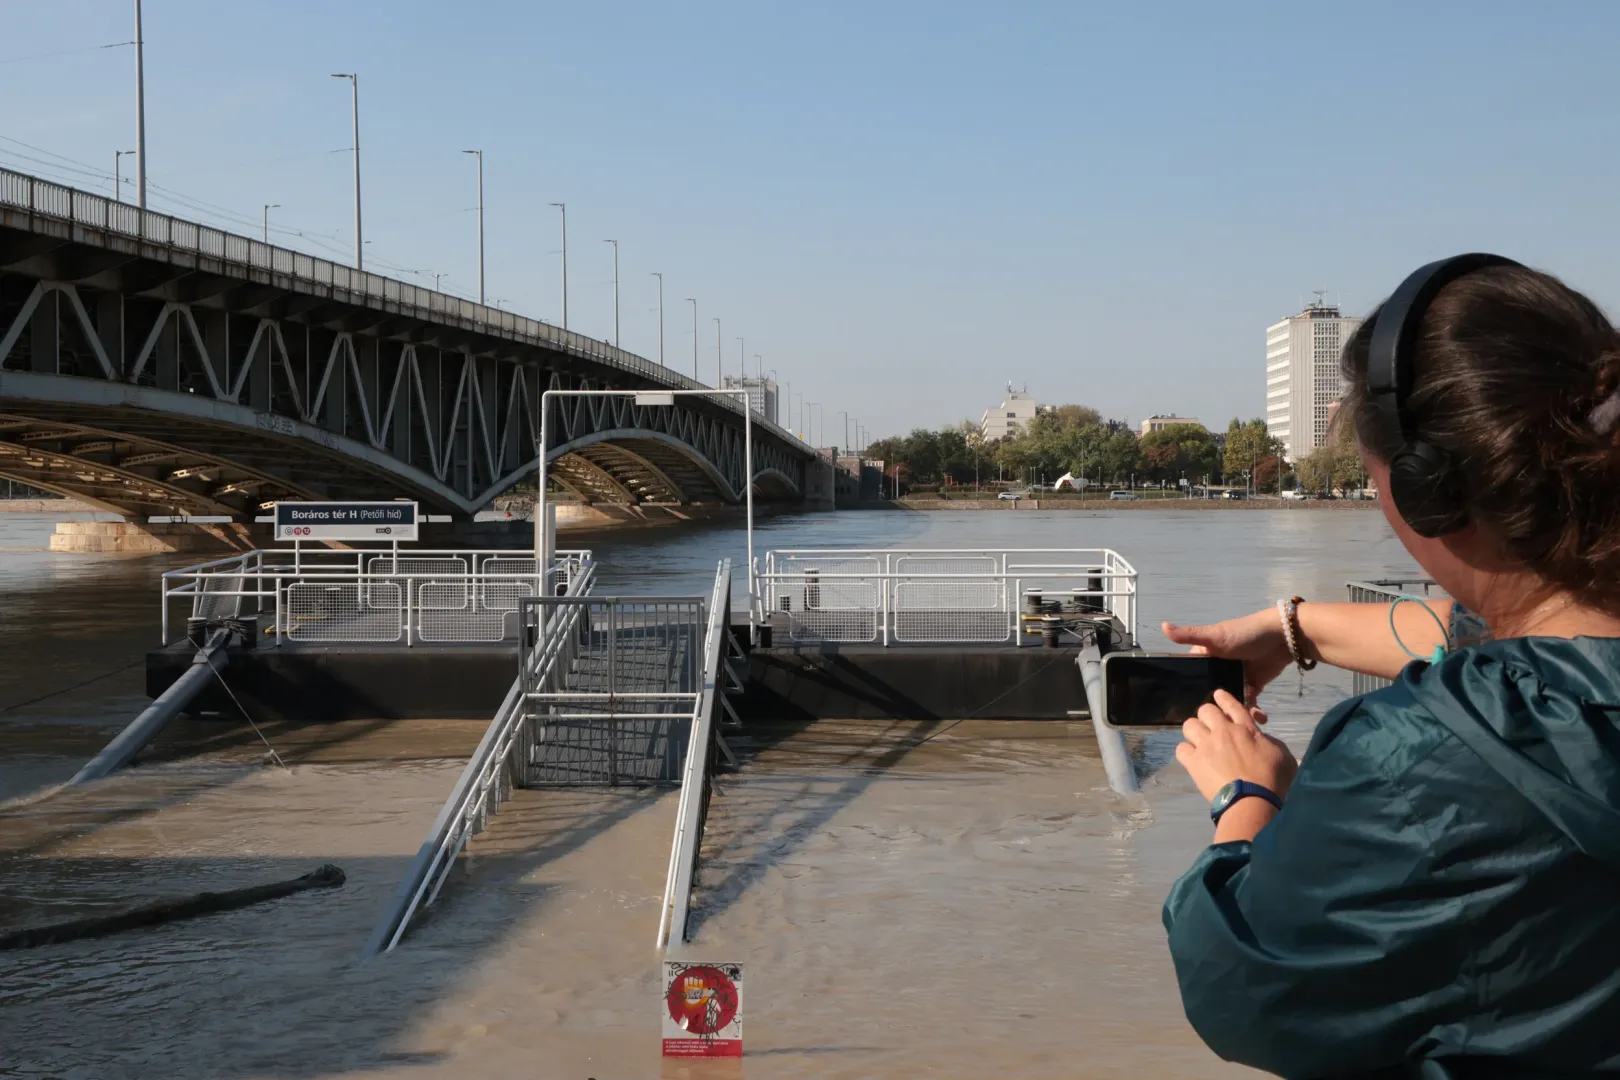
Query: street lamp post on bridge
(267, 208)
(140, 115)
(615, 244)
(562, 210)
(660, 278)
(693, 301)
(359, 243)
(479, 154)
(118, 182)
(719, 359)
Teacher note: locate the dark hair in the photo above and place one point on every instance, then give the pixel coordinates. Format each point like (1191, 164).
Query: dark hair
(1509, 367)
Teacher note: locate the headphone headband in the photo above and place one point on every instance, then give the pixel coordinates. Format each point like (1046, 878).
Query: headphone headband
(1395, 331)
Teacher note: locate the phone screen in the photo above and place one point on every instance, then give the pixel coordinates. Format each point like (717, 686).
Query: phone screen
(1164, 691)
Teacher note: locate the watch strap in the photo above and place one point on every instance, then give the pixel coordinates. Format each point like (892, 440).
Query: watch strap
(1240, 790)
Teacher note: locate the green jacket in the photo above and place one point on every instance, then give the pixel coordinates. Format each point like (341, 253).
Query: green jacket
(1440, 895)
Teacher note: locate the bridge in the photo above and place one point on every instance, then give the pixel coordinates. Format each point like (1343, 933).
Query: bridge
(154, 366)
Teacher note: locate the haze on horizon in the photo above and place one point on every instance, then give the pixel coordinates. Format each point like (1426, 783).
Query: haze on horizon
(900, 207)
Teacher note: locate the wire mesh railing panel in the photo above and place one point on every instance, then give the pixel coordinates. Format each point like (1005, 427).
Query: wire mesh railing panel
(947, 564)
(219, 596)
(319, 611)
(618, 711)
(960, 610)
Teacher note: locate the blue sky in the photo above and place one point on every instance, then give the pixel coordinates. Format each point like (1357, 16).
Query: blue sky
(900, 206)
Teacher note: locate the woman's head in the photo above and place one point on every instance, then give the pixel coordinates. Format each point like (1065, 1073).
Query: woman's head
(1513, 378)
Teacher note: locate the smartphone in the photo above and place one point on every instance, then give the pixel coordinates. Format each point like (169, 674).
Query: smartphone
(1144, 690)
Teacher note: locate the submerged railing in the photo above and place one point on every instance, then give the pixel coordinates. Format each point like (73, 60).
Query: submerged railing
(353, 595)
(937, 596)
(1383, 591)
(488, 776)
(703, 749)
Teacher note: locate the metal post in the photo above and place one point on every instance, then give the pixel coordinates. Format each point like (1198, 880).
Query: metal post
(562, 208)
(748, 481)
(1111, 741)
(359, 240)
(693, 302)
(660, 278)
(140, 111)
(719, 362)
(742, 360)
(541, 554)
(118, 179)
(479, 154)
(267, 208)
(615, 244)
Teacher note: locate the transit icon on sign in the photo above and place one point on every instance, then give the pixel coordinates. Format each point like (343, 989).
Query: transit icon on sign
(702, 1010)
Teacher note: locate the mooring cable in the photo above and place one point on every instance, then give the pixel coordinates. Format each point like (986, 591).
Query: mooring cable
(274, 756)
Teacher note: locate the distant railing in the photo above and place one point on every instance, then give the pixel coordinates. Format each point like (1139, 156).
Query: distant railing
(50, 200)
(937, 596)
(488, 777)
(1382, 591)
(329, 595)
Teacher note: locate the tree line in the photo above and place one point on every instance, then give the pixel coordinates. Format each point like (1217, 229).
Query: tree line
(1077, 440)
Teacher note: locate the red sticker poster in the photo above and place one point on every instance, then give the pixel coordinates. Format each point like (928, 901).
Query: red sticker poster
(702, 1010)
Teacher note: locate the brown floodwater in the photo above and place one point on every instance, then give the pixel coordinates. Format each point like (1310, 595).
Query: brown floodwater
(908, 899)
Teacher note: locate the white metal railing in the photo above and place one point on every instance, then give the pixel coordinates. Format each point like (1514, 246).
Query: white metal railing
(947, 595)
(45, 199)
(1384, 591)
(485, 781)
(691, 812)
(370, 595)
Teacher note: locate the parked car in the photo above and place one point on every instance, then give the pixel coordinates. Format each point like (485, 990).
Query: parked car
(1323, 496)
(1234, 494)
(1122, 495)
(1010, 496)
(1293, 496)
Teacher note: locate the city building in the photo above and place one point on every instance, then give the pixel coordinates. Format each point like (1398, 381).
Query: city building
(1155, 422)
(1010, 417)
(1302, 375)
(761, 394)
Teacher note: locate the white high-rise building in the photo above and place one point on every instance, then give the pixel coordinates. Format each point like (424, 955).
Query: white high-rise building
(1010, 417)
(761, 394)
(1302, 375)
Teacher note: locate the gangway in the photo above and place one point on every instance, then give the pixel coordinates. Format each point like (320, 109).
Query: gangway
(611, 691)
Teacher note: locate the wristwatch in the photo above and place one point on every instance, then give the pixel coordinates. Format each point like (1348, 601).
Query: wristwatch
(1240, 789)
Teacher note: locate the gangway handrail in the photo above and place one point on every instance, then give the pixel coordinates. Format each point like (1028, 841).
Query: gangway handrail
(478, 790)
(691, 811)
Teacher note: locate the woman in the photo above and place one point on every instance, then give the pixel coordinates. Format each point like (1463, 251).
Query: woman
(1437, 891)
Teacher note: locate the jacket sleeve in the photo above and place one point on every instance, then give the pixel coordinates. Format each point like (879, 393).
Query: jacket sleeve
(1324, 947)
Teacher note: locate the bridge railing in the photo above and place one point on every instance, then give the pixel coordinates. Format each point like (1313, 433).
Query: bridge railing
(46, 199)
(490, 773)
(937, 596)
(416, 596)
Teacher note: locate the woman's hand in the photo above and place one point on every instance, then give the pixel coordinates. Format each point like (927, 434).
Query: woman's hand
(1224, 743)
(1256, 639)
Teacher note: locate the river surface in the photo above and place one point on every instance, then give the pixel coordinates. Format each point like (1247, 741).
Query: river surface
(908, 899)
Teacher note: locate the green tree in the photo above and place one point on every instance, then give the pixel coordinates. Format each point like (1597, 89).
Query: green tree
(1176, 450)
(1246, 445)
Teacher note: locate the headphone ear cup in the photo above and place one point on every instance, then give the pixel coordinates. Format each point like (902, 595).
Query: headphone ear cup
(1428, 490)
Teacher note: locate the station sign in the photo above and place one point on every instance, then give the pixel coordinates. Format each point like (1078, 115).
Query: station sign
(702, 1010)
(346, 521)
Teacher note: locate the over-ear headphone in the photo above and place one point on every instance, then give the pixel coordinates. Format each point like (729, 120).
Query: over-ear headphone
(1427, 487)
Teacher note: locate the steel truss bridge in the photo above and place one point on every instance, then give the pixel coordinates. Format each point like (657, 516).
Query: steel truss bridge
(154, 366)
